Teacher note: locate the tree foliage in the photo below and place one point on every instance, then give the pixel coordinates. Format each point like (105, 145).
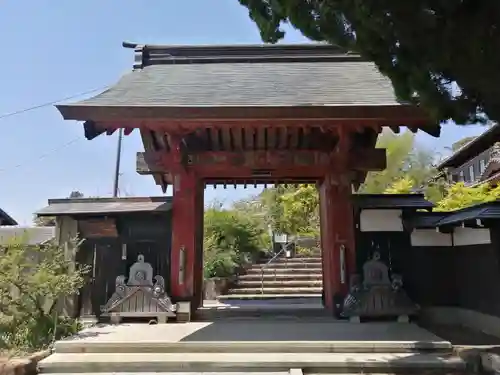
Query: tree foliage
(33, 280)
(230, 240)
(460, 196)
(422, 46)
(300, 210)
(405, 160)
(295, 209)
(402, 186)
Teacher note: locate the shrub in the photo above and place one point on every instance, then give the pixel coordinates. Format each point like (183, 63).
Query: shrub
(230, 240)
(33, 282)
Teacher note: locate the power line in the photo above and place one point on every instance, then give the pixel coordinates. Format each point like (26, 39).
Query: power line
(50, 103)
(53, 151)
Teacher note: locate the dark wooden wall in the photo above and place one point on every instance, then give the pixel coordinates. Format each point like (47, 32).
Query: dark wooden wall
(146, 234)
(463, 276)
(429, 275)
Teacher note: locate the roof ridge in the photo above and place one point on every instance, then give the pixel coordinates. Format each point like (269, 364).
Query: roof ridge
(146, 54)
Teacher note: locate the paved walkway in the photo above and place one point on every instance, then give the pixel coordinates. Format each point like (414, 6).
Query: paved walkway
(254, 330)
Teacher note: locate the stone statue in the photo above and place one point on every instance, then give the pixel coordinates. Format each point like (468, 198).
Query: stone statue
(375, 272)
(159, 287)
(119, 294)
(141, 273)
(378, 295)
(139, 297)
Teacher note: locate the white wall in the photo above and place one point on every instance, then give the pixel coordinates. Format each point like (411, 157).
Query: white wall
(459, 237)
(429, 237)
(471, 236)
(381, 221)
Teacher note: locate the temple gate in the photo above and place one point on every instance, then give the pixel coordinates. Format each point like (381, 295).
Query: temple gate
(270, 114)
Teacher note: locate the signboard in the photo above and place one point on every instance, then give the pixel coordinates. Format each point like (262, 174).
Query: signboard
(280, 238)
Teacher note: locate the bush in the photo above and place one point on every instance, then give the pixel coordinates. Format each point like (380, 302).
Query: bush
(230, 240)
(33, 282)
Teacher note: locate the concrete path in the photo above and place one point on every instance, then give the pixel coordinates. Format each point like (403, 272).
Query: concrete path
(338, 362)
(255, 330)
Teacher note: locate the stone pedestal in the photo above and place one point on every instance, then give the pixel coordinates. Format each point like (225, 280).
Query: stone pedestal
(378, 295)
(139, 297)
(183, 311)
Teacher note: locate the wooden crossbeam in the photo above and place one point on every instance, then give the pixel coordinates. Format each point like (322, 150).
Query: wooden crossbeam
(249, 163)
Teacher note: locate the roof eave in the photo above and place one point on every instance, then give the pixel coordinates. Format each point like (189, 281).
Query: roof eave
(385, 114)
(460, 156)
(6, 219)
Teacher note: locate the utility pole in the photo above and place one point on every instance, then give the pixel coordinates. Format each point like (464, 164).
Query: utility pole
(117, 166)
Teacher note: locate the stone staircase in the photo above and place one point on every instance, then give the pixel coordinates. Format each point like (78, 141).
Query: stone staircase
(142, 350)
(299, 277)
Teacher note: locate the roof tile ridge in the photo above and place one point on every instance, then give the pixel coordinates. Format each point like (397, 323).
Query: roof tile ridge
(139, 56)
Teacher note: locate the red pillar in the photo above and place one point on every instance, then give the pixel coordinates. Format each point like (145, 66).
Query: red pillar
(337, 229)
(187, 209)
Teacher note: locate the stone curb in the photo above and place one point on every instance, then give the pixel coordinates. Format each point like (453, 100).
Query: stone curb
(23, 366)
(300, 347)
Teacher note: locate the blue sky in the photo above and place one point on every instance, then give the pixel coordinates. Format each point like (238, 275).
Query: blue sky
(55, 49)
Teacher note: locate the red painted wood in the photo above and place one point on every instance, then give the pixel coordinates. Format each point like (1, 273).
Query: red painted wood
(187, 204)
(337, 228)
(326, 124)
(242, 164)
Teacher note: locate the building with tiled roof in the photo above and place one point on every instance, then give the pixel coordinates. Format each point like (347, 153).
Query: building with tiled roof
(477, 161)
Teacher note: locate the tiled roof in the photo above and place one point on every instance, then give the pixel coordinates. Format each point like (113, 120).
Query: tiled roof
(426, 219)
(261, 75)
(6, 219)
(484, 211)
(87, 206)
(473, 148)
(31, 235)
(391, 201)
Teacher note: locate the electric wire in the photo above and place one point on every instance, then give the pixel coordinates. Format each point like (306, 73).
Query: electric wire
(58, 148)
(43, 156)
(18, 112)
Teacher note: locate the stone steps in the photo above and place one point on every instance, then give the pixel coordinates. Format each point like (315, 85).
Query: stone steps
(287, 312)
(285, 271)
(259, 296)
(290, 283)
(289, 264)
(363, 347)
(274, 291)
(249, 362)
(298, 258)
(281, 276)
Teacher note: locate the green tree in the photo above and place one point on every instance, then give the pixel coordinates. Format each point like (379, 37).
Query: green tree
(405, 159)
(402, 186)
(230, 240)
(422, 46)
(460, 196)
(295, 210)
(300, 207)
(33, 280)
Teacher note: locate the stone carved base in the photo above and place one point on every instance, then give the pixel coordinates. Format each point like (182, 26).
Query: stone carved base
(139, 298)
(378, 296)
(183, 312)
